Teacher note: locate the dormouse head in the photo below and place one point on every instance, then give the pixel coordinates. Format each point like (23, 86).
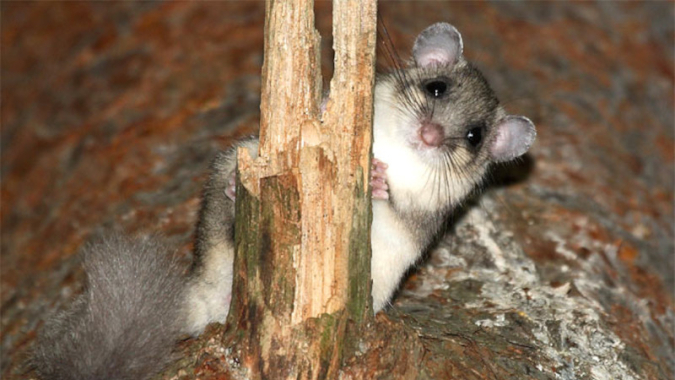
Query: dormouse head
(448, 112)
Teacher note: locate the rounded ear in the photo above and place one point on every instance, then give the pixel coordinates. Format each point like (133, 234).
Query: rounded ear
(514, 136)
(438, 45)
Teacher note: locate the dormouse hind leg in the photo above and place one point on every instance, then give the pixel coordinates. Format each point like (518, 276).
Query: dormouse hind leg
(210, 289)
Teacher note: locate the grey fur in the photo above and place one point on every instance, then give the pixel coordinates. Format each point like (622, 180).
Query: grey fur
(124, 325)
(216, 216)
(210, 287)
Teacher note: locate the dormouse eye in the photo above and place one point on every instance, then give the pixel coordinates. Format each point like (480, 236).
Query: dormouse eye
(436, 88)
(474, 136)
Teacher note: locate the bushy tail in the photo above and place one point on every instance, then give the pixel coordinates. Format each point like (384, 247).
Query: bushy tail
(125, 324)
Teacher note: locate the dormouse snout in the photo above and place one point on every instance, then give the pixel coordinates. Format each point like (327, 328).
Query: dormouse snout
(431, 134)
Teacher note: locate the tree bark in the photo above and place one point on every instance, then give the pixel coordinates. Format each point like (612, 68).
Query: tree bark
(302, 270)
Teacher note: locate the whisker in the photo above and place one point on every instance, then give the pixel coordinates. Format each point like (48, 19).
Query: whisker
(416, 102)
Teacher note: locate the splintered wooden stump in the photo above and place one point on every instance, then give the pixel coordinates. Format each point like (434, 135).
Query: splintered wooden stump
(302, 269)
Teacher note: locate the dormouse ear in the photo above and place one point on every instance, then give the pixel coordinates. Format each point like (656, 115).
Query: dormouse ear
(438, 45)
(514, 136)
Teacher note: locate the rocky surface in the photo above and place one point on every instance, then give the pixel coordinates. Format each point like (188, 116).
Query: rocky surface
(563, 269)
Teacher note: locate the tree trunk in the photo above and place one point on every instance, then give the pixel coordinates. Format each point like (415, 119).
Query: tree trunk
(302, 270)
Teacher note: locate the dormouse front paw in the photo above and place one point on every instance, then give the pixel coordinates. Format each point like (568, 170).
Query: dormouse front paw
(231, 189)
(378, 179)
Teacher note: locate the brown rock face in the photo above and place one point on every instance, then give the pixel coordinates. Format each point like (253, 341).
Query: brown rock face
(562, 269)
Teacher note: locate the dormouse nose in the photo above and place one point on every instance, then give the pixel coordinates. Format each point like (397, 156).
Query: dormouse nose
(431, 134)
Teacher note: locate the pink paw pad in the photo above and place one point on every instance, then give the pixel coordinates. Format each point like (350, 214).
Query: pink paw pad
(378, 179)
